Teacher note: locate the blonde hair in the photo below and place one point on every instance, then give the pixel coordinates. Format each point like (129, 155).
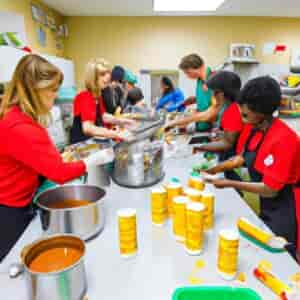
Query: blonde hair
(32, 74)
(94, 69)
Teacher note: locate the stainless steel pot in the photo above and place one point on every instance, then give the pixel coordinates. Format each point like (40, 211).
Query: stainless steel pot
(139, 164)
(98, 176)
(85, 221)
(68, 284)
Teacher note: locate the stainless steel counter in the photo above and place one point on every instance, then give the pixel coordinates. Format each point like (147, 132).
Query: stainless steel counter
(161, 264)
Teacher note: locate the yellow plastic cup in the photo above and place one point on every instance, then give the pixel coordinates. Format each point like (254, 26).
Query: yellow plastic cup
(193, 194)
(159, 206)
(127, 232)
(228, 253)
(179, 217)
(195, 182)
(208, 199)
(194, 240)
(174, 189)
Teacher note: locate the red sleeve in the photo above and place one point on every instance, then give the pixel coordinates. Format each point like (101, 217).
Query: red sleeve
(39, 153)
(232, 119)
(86, 107)
(279, 166)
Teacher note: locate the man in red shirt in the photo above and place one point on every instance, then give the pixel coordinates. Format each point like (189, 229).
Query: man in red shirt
(271, 153)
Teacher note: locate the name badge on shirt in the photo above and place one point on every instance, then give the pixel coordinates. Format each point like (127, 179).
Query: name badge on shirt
(269, 160)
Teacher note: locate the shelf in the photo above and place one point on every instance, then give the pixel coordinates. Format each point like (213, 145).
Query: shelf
(239, 60)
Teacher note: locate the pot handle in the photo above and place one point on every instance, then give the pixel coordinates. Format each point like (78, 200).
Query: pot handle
(16, 269)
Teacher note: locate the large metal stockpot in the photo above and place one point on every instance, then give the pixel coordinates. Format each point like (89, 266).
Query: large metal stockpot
(139, 163)
(67, 284)
(85, 221)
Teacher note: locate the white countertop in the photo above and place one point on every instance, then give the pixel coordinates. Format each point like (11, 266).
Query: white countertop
(161, 264)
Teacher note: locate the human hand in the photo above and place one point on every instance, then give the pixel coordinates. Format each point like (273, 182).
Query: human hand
(99, 158)
(217, 182)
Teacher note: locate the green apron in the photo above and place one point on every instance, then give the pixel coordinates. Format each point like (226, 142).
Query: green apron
(203, 99)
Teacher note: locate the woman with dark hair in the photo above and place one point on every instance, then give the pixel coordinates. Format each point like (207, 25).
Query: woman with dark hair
(225, 114)
(114, 94)
(270, 150)
(172, 99)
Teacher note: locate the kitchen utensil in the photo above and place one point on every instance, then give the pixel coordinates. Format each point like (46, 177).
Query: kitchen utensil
(85, 221)
(66, 284)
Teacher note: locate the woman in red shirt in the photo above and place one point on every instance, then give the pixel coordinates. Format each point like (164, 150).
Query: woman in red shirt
(26, 150)
(90, 116)
(271, 153)
(226, 87)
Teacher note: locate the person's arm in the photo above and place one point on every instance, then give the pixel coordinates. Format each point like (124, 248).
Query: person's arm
(206, 116)
(251, 187)
(95, 131)
(37, 152)
(224, 144)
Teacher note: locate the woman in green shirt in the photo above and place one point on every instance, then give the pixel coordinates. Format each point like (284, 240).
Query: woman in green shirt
(194, 67)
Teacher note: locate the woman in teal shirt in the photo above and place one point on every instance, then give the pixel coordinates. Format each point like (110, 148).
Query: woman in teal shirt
(194, 67)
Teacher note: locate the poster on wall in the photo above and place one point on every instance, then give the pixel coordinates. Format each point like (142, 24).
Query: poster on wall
(41, 34)
(51, 23)
(38, 14)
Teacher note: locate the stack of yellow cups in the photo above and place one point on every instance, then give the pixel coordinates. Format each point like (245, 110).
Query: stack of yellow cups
(127, 232)
(194, 228)
(193, 194)
(208, 200)
(179, 217)
(159, 206)
(195, 182)
(174, 189)
(228, 254)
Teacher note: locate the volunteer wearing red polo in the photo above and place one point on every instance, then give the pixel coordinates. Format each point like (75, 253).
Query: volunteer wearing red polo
(26, 150)
(271, 153)
(90, 117)
(226, 87)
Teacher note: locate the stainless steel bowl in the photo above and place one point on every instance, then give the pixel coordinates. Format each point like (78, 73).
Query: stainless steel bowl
(85, 221)
(67, 284)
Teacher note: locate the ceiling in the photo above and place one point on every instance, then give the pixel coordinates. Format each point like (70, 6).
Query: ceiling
(283, 8)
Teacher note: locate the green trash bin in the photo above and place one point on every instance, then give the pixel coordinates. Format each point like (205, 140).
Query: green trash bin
(215, 293)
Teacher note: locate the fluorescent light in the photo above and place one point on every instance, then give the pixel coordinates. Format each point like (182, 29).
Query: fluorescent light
(186, 5)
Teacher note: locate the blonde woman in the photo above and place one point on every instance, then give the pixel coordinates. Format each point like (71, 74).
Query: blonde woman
(90, 116)
(26, 151)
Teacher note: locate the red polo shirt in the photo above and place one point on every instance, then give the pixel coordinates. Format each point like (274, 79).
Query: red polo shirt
(231, 120)
(85, 106)
(26, 151)
(278, 157)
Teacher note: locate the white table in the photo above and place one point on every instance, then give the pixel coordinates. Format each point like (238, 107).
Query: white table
(161, 264)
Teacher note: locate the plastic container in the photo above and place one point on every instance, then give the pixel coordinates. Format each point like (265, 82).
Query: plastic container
(215, 293)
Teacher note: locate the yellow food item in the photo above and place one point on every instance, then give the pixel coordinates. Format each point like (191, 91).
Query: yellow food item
(266, 265)
(241, 277)
(295, 278)
(200, 264)
(253, 231)
(195, 280)
(271, 281)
